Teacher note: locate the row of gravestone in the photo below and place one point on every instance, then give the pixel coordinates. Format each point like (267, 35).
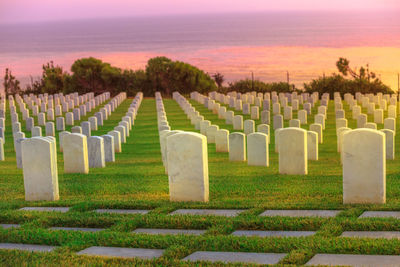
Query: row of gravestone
(70, 117)
(36, 131)
(55, 105)
(257, 143)
(49, 126)
(39, 156)
(361, 147)
(249, 125)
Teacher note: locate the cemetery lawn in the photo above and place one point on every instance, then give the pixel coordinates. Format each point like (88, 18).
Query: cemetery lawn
(137, 181)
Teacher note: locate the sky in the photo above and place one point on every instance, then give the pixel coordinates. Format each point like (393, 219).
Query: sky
(20, 11)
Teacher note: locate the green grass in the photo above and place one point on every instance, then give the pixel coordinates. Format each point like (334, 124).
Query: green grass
(137, 181)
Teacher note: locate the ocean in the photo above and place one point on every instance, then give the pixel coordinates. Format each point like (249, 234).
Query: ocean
(305, 44)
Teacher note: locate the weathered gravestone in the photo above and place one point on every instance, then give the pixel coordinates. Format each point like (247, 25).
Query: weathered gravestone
(122, 131)
(237, 147)
(265, 117)
(312, 145)
(60, 138)
(318, 129)
(302, 116)
(278, 121)
(50, 131)
(390, 123)
(188, 167)
(211, 132)
(75, 153)
(264, 128)
(238, 122)
(390, 143)
(76, 129)
(109, 150)
(249, 127)
(36, 131)
(117, 141)
(257, 149)
(39, 161)
(294, 123)
(222, 141)
(2, 158)
(69, 118)
(60, 124)
(293, 151)
(93, 123)
(362, 119)
(255, 114)
(96, 152)
(86, 130)
(364, 167)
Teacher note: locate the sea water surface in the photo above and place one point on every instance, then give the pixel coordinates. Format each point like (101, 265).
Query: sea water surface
(305, 44)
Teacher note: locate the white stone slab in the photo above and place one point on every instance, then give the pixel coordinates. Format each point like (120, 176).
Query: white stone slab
(273, 233)
(27, 247)
(76, 229)
(8, 226)
(235, 257)
(151, 231)
(355, 260)
(122, 211)
(372, 234)
(49, 209)
(141, 253)
(226, 213)
(301, 213)
(380, 214)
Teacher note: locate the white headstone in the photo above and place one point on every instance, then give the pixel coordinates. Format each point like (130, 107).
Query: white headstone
(39, 161)
(188, 167)
(364, 167)
(293, 151)
(75, 153)
(257, 149)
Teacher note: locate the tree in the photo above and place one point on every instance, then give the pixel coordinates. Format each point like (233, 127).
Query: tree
(363, 73)
(363, 80)
(219, 79)
(11, 84)
(166, 76)
(133, 82)
(337, 83)
(157, 71)
(93, 75)
(52, 78)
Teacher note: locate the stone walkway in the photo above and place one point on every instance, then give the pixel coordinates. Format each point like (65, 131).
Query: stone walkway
(27, 247)
(121, 211)
(372, 234)
(381, 214)
(48, 209)
(236, 257)
(8, 226)
(355, 260)
(76, 229)
(140, 253)
(273, 233)
(301, 213)
(226, 213)
(168, 231)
